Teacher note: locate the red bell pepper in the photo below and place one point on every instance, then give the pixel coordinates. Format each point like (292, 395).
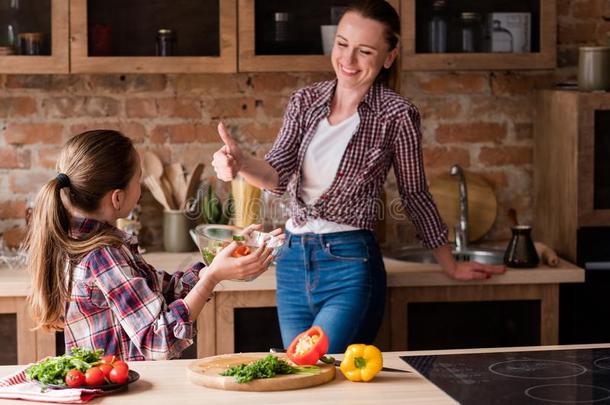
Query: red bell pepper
(308, 347)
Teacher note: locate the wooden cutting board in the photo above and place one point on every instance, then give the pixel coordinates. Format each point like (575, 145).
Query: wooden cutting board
(207, 371)
(482, 203)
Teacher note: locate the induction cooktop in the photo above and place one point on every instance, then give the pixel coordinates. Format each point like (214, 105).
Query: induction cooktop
(579, 376)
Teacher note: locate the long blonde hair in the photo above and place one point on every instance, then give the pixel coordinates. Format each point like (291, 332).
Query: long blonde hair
(90, 165)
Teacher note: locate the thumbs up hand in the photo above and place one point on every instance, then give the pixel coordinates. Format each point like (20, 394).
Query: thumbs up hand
(228, 160)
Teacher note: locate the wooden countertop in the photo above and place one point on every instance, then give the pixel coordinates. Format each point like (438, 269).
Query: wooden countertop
(164, 381)
(13, 283)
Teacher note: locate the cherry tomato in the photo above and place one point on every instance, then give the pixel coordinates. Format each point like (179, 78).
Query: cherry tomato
(106, 369)
(74, 378)
(94, 377)
(241, 251)
(119, 375)
(121, 364)
(109, 359)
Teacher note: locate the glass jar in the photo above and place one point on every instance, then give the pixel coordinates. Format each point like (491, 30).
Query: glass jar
(436, 39)
(469, 32)
(281, 27)
(166, 42)
(9, 43)
(30, 43)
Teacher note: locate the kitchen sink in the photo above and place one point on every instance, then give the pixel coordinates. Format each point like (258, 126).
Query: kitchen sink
(472, 253)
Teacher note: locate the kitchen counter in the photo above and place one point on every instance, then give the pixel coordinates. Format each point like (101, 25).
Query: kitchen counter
(164, 381)
(14, 283)
(408, 283)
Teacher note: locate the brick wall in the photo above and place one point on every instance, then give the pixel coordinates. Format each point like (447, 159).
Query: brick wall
(481, 120)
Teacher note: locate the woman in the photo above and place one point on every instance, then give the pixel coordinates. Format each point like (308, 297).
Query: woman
(336, 146)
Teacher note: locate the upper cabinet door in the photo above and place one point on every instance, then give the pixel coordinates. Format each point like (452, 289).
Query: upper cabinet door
(153, 36)
(33, 36)
(478, 35)
(288, 35)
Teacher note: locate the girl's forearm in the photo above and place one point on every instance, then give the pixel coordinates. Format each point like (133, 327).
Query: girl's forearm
(196, 298)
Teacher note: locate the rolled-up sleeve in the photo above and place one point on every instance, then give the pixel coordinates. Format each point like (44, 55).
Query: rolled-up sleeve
(158, 329)
(283, 156)
(180, 283)
(409, 169)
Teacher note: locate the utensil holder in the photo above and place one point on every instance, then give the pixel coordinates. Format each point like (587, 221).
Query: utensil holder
(594, 68)
(176, 226)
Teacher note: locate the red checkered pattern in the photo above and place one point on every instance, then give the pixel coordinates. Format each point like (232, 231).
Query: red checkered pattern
(388, 136)
(121, 304)
(16, 386)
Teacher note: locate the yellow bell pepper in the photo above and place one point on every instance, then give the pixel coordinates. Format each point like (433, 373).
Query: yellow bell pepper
(361, 362)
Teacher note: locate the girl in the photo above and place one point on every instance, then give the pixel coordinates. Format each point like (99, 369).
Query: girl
(337, 144)
(88, 276)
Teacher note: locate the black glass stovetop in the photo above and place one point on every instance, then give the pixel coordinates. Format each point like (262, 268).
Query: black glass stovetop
(540, 377)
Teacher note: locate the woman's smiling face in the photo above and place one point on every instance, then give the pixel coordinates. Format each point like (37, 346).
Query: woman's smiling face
(360, 51)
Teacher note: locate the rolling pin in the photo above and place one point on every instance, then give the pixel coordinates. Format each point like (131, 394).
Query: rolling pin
(547, 255)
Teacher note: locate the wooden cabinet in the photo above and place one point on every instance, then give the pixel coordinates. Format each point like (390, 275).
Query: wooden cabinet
(415, 15)
(249, 36)
(263, 46)
(50, 18)
(204, 36)
(571, 166)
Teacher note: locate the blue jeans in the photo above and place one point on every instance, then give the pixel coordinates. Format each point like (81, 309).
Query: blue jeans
(334, 280)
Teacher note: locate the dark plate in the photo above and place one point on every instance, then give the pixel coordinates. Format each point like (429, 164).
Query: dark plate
(133, 376)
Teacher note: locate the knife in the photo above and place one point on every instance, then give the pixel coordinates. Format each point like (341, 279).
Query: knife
(338, 362)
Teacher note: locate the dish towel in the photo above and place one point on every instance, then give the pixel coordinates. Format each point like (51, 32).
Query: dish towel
(16, 386)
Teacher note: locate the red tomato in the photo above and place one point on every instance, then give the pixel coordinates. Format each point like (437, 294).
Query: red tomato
(74, 378)
(106, 369)
(121, 364)
(94, 376)
(109, 359)
(241, 251)
(119, 375)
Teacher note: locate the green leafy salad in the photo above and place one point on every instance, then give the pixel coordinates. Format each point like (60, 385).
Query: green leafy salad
(52, 370)
(266, 367)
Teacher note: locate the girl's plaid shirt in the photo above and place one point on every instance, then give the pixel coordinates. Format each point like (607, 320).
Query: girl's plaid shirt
(121, 304)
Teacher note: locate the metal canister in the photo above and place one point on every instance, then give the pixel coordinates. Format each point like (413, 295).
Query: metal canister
(166, 42)
(594, 68)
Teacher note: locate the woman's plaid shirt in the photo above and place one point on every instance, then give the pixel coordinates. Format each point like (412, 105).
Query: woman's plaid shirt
(388, 135)
(121, 304)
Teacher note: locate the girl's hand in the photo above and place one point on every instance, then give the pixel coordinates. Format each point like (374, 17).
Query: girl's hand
(225, 267)
(228, 160)
(475, 271)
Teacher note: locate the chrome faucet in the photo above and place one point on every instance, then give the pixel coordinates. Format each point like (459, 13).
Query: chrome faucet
(461, 229)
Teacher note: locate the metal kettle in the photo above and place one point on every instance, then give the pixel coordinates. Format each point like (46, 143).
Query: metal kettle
(521, 252)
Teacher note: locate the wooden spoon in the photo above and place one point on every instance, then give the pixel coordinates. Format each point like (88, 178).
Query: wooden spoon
(193, 183)
(175, 175)
(155, 189)
(151, 165)
(167, 190)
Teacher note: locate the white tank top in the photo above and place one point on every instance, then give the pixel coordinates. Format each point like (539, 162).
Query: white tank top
(320, 166)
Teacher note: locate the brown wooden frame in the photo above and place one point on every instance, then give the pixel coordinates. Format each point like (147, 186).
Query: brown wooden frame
(547, 294)
(250, 62)
(225, 63)
(564, 167)
(545, 59)
(58, 61)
